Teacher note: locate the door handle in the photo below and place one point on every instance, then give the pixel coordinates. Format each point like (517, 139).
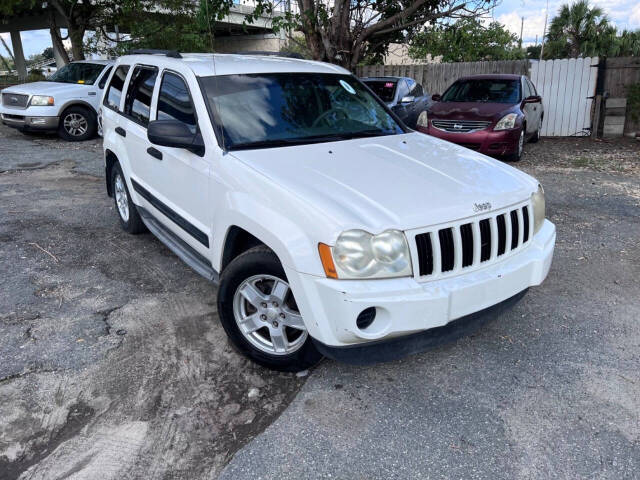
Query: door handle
(121, 131)
(154, 153)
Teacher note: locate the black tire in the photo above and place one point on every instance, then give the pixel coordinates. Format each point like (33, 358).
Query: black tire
(258, 261)
(85, 129)
(536, 136)
(517, 156)
(133, 224)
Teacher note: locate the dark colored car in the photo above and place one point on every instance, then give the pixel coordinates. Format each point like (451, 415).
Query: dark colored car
(492, 114)
(403, 95)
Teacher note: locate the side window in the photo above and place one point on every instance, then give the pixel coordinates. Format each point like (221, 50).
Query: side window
(532, 87)
(114, 92)
(174, 101)
(104, 78)
(137, 105)
(416, 91)
(403, 90)
(525, 92)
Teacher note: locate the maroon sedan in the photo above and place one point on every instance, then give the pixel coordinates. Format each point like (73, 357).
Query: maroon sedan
(492, 114)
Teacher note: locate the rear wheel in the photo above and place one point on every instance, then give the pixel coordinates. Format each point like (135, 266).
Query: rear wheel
(77, 124)
(259, 313)
(536, 136)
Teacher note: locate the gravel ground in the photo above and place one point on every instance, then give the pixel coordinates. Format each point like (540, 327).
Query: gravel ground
(113, 364)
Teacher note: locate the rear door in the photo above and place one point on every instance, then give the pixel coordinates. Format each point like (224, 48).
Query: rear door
(527, 108)
(402, 110)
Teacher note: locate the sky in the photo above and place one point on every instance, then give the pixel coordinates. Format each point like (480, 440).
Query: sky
(624, 13)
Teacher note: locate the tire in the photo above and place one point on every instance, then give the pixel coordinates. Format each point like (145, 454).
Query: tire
(256, 272)
(77, 124)
(128, 215)
(536, 136)
(516, 157)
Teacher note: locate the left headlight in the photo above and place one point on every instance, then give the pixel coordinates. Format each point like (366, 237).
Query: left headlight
(506, 122)
(359, 254)
(41, 101)
(539, 207)
(423, 119)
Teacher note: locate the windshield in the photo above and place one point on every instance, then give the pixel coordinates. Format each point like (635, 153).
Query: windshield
(83, 73)
(385, 89)
(280, 109)
(483, 90)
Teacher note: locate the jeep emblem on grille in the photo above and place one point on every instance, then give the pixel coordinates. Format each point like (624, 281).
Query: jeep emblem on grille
(481, 207)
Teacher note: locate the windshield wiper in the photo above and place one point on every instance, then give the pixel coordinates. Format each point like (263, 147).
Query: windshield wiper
(287, 142)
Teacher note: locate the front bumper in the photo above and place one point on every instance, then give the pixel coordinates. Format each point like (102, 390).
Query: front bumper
(31, 123)
(405, 306)
(490, 142)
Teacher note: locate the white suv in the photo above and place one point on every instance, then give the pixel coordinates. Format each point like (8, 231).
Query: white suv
(67, 102)
(329, 226)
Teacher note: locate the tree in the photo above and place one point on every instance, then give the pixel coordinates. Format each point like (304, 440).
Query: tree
(579, 30)
(466, 40)
(533, 52)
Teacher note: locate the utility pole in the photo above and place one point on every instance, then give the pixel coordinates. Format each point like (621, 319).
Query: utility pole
(521, 28)
(544, 32)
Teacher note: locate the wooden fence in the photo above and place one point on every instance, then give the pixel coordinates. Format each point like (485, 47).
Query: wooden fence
(436, 77)
(619, 74)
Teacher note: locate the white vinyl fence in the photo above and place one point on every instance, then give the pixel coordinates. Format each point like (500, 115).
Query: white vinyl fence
(567, 87)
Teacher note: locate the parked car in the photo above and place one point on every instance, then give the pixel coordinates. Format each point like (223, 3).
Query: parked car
(329, 227)
(403, 95)
(492, 114)
(66, 102)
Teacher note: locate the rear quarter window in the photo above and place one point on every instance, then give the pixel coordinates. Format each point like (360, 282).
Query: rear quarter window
(114, 91)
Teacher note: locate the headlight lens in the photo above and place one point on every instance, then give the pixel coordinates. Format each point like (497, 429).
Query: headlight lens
(359, 254)
(537, 200)
(423, 119)
(506, 122)
(41, 101)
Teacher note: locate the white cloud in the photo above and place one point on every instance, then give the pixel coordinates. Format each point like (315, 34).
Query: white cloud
(634, 19)
(533, 24)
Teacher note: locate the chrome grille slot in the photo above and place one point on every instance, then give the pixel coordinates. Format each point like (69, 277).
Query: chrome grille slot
(460, 126)
(470, 245)
(14, 100)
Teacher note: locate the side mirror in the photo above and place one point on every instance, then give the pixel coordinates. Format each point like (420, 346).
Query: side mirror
(533, 99)
(436, 97)
(173, 133)
(408, 99)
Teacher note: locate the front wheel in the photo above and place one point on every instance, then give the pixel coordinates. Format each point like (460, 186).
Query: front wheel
(77, 124)
(260, 315)
(515, 157)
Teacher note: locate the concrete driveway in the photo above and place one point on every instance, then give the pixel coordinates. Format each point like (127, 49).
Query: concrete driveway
(113, 364)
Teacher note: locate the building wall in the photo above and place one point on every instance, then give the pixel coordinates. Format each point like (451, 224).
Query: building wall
(250, 43)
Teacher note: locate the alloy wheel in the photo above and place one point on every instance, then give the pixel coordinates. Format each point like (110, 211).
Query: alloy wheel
(75, 124)
(122, 199)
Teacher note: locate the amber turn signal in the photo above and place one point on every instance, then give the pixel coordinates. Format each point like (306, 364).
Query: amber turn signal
(327, 260)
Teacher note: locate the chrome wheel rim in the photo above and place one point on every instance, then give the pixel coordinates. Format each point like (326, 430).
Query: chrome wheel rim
(75, 124)
(267, 315)
(521, 143)
(122, 200)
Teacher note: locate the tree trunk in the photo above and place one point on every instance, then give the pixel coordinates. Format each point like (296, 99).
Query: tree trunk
(56, 39)
(76, 35)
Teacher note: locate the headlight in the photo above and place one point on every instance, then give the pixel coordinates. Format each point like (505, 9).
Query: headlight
(423, 119)
(41, 101)
(537, 200)
(506, 122)
(359, 254)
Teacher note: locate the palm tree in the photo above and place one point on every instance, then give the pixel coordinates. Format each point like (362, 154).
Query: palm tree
(579, 30)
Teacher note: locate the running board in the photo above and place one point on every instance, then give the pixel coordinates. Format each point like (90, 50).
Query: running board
(178, 246)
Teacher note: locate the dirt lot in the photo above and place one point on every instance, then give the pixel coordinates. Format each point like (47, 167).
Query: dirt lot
(113, 364)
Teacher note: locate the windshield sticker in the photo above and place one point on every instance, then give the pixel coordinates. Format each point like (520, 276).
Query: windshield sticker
(347, 87)
(389, 85)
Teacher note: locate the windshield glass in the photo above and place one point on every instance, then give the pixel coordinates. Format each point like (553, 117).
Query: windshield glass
(385, 89)
(83, 73)
(280, 109)
(483, 90)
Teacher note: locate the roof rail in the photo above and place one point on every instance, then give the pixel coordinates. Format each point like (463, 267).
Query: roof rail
(273, 54)
(151, 51)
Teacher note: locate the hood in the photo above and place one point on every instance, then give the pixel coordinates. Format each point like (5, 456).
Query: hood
(41, 88)
(485, 111)
(400, 181)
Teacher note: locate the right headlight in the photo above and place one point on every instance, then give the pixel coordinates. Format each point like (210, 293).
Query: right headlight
(538, 203)
(359, 254)
(423, 119)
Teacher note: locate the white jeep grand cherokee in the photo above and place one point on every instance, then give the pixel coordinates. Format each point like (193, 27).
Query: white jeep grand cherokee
(67, 102)
(329, 226)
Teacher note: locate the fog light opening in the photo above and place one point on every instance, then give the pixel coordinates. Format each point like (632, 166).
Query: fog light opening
(366, 318)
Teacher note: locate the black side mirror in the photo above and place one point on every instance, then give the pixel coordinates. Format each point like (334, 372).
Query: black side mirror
(533, 99)
(436, 97)
(173, 133)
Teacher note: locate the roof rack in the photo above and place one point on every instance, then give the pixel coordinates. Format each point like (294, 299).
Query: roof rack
(273, 54)
(151, 51)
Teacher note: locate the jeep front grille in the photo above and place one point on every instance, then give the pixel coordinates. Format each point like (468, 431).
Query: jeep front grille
(460, 126)
(461, 246)
(14, 100)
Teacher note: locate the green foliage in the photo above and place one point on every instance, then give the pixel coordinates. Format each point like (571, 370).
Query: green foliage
(533, 52)
(633, 101)
(466, 40)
